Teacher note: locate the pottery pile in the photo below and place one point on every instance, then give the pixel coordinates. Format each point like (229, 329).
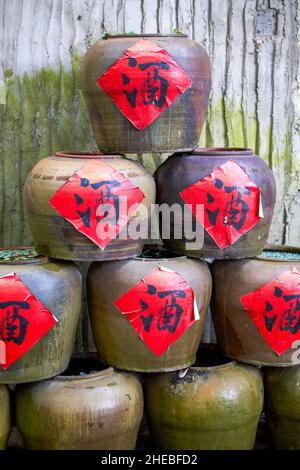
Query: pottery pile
(148, 301)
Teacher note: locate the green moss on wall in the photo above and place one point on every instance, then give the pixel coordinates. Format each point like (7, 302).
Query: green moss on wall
(43, 113)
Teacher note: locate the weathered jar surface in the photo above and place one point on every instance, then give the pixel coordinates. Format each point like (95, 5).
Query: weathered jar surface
(53, 234)
(238, 336)
(57, 285)
(231, 221)
(117, 342)
(5, 422)
(151, 87)
(90, 407)
(282, 403)
(215, 405)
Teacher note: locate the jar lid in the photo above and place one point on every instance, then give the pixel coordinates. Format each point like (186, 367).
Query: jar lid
(218, 151)
(88, 155)
(146, 35)
(21, 255)
(280, 253)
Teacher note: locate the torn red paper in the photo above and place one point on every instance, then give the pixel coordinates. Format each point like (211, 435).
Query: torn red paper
(161, 308)
(231, 203)
(143, 82)
(24, 320)
(98, 200)
(275, 310)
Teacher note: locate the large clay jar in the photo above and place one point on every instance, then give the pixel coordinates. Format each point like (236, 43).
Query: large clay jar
(117, 342)
(237, 335)
(55, 236)
(187, 168)
(90, 407)
(178, 125)
(5, 423)
(57, 285)
(214, 405)
(282, 404)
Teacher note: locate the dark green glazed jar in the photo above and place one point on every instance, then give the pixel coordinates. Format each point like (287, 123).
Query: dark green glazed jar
(215, 405)
(4, 416)
(282, 402)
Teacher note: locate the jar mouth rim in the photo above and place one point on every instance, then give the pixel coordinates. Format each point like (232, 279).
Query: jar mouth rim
(33, 258)
(87, 155)
(83, 366)
(231, 363)
(280, 248)
(217, 151)
(209, 354)
(160, 250)
(146, 35)
(101, 373)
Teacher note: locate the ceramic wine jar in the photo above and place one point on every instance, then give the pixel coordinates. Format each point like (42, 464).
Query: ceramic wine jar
(57, 285)
(54, 235)
(117, 341)
(215, 405)
(4, 416)
(174, 87)
(90, 407)
(237, 335)
(227, 209)
(282, 403)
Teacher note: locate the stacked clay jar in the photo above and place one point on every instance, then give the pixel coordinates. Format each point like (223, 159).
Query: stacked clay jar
(255, 296)
(86, 207)
(147, 305)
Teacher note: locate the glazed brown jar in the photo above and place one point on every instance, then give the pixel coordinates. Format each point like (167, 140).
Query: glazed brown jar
(57, 285)
(5, 423)
(255, 323)
(167, 79)
(236, 190)
(282, 401)
(54, 235)
(214, 405)
(90, 407)
(119, 341)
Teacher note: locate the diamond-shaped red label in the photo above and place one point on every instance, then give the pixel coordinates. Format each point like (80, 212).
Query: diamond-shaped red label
(231, 203)
(24, 320)
(160, 308)
(143, 82)
(98, 200)
(275, 310)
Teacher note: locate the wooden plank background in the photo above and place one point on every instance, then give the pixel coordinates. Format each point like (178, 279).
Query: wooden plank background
(255, 102)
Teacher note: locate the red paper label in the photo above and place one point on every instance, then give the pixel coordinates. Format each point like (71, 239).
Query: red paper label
(98, 200)
(24, 320)
(160, 308)
(275, 310)
(143, 82)
(231, 203)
